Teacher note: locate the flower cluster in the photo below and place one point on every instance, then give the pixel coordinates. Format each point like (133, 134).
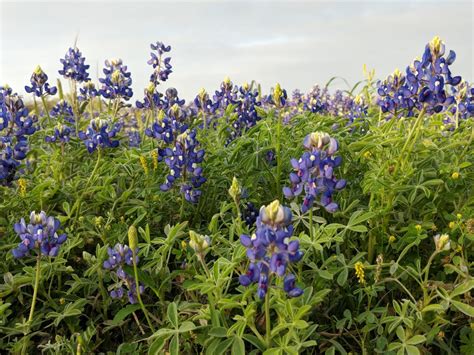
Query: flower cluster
(270, 250)
(314, 172)
(161, 71)
(74, 66)
(39, 85)
(99, 134)
(117, 82)
(247, 115)
(40, 235)
(161, 66)
(183, 161)
(119, 256)
(428, 84)
(226, 95)
(249, 214)
(64, 114)
(88, 91)
(15, 126)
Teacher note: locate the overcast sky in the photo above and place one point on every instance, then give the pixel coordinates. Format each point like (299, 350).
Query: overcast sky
(295, 43)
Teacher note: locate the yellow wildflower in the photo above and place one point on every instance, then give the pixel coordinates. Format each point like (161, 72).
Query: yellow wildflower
(144, 164)
(359, 271)
(22, 186)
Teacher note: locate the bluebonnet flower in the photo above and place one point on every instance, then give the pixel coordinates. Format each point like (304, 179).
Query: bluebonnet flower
(62, 110)
(227, 95)
(41, 234)
(74, 66)
(161, 71)
(167, 127)
(63, 131)
(161, 66)
(317, 100)
(204, 104)
(119, 256)
(88, 91)
(183, 161)
(314, 172)
(117, 82)
(247, 115)
(249, 214)
(152, 98)
(133, 138)
(396, 96)
(427, 84)
(99, 134)
(15, 126)
(270, 250)
(39, 85)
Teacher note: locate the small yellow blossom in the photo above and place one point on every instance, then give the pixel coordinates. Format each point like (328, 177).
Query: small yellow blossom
(367, 155)
(455, 175)
(154, 156)
(144, 164)
(22, 186)
(392, 239)
(359, 271)
(459, 216)
(452, 225)
(418, 227)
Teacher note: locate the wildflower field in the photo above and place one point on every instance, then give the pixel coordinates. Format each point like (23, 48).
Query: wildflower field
(241, 222)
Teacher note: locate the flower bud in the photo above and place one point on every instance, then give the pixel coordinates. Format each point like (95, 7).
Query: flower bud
(277, 95)
(151, 88)
(132, 238)
(442, 242)
(235, 190)
(199, 243)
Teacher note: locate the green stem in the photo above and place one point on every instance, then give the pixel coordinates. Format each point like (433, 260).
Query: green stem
(371, 247)
(311, 223)
(181, 210)
(267, 316)
(137, 289)
(35, 291)
(409, 141)
(278, 156)
(95, 167)
(45, 108)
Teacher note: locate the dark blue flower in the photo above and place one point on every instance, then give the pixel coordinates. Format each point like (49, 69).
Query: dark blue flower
(99, 134)
(40, 235)
(74, 66)
(119, 256)
(117, 82)
(314, 172)
(270, 249)
(39, 85)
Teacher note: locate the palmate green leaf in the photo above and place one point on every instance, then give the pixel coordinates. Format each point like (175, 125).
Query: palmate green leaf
(71, 310)
(464, 308)
(124, 312)
(238, 346)
(4, 307)
(174, 345)
(463, 288)
(172, 314)
(416, 339)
